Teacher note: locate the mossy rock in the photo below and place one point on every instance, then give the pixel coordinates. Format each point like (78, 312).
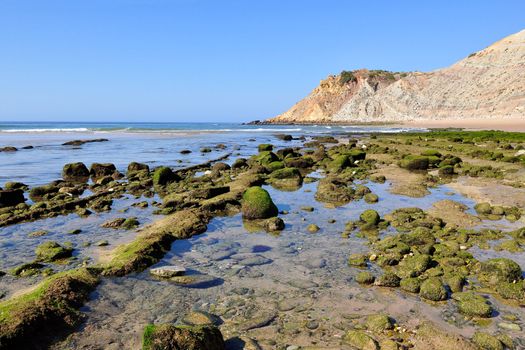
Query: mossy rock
(51, 251)
(411, 285)
(313, 228)
(371, 198)
(364, 277)
(264, 158)
(75, 171)
(265, 147)
(163, 175)
(413, 266)
(431, 153)
(413, 162)
(130, 223)
(486, 341)
(27, 269)
(333, 190)
(508, 290)
(455, 282)
(494, 271)
(273, 166)
(360, 340)
(358, 260)
(135, 167)
(370, 217)
(171, 337)
(483, 208)
(257, 204)
(379, 323)
(473, 305)
(339, 163)
(388, 279)
(432, 289)
(446, 170)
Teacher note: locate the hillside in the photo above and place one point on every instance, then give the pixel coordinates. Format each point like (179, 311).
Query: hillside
(487, 84)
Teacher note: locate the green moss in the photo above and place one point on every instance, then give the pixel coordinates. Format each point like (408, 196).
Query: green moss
(486, 341)
(388, 279)
(51, 251)
(357, 260)
(360, 340)
(498, 270)
(339, 163)
(370, 216)
(473, 305)
(411, 285)
(364, 277)
(432, 289)
(27, 269)
(413, 266)
(257, 204)
(431, 153)
(371, 198)
(379, 323)
(413, 162)
(163, 175)
(275, 166)
(509, 290)
(265, 147)
(455, 282)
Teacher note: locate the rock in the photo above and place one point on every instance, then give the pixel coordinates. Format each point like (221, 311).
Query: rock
(51, 251)
(13, 185)
(413, 266)
(196, 280)
(360, 340)
(313, 228)
(185, 151)
(164, 175)
(371, 198)
(284, 137)
(333, 190)
(39, 233)
(370, 217)
(10, 198)
(220, 166)
(102, 243)
(77, 172)
(411, 285)
(168, 271)
(494, 271)
(265, 147)
(433, 289)
(510, 326)
(114, 223)
(413, 162)
(473, 305)
(365, 277)
(81, 142)
(239, 163)
(257, 204)
(483, 208)
(99, 170)
(379, 323)
(201, 318)
(134, 167)
(171, 337)
(273, 224)
(388, 279)
(508, 290)
(358, 260)
(27, 269)
(446, 170)
(205, 149)
(307, 208)
(257, 322)
(8, 149)
(486, 341)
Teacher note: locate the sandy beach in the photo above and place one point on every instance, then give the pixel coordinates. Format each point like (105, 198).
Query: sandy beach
(505, 124)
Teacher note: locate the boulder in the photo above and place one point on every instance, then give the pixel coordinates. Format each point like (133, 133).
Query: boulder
(51, 251)
(99, 170)
(168, 271)
(171, 337)
(432, 289)
(257, 204)
(75, 172)
(10, 198)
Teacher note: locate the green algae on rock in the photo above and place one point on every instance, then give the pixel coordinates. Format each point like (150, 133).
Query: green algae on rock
(432, 289)
(51, 251)
(257, 204)
(171, 337)
(360, 340)
(472, 304)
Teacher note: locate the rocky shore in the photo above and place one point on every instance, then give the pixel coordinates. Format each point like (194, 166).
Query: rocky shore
(463, 260)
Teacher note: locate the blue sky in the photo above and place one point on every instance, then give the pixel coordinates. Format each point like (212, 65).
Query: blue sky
(238, 60)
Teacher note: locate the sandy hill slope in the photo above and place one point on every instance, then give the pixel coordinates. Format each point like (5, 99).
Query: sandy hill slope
(487, 84)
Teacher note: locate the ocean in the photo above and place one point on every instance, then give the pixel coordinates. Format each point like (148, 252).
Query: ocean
(152, 143)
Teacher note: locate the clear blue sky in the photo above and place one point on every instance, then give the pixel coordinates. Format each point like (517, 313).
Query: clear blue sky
(196, 60)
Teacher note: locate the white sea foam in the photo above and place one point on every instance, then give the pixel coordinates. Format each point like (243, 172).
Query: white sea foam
(47, 130)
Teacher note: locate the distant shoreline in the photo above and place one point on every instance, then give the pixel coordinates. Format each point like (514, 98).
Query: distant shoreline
(505, 124)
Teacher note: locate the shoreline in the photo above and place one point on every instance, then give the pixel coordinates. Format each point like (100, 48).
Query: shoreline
(505, 124)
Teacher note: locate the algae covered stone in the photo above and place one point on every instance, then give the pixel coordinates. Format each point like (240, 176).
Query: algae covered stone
(257, 204)
(388, 279)
(360, 340)
(371, 198)
(486, 341)
(471, 304)
(379, 323)
(163, 175)
(51, 251)
(364, 277)
(432, 289)
(411, 285)
(357, 260)
(370, 217)
(498, 270)
(171, 337)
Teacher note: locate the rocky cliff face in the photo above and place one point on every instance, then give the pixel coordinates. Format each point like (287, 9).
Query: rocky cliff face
(489, 83)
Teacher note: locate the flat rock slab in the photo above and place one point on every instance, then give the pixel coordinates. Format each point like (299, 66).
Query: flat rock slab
(168, 271)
